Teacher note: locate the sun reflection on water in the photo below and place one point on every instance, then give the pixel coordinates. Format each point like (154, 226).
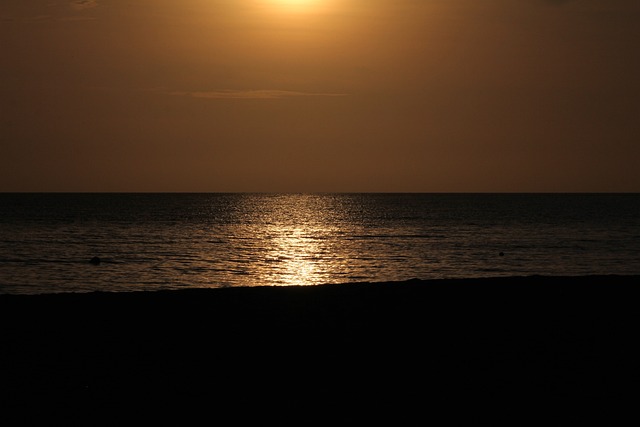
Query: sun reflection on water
(295, 239)
(295, 253)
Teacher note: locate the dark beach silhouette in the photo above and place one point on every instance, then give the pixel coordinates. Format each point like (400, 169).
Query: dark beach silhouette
(482, 349)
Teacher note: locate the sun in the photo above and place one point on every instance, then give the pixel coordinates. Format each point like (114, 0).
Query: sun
(293, 5)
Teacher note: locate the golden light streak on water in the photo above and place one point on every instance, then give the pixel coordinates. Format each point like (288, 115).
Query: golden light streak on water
(295, 238)
(296, 254)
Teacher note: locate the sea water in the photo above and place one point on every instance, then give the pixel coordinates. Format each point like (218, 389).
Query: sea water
(170, 241)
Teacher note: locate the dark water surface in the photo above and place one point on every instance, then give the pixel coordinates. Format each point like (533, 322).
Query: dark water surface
(169, 241)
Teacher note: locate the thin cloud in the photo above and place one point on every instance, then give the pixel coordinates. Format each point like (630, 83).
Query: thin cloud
(75, 10)
(251, 94)
(77, 18)
(84, 4)
(559, 2)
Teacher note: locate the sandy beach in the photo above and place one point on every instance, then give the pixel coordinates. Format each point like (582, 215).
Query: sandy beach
(477, 349)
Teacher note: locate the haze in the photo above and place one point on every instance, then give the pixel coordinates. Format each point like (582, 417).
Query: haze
(320, 95)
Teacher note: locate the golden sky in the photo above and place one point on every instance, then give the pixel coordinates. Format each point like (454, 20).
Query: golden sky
(320, 95)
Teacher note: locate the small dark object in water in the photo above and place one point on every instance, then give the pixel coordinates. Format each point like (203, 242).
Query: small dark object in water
(95, 260)
(501, 254)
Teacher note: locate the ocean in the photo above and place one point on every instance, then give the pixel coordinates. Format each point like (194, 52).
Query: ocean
(161, 241)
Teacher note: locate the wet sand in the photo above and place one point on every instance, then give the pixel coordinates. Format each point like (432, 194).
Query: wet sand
(551, 349)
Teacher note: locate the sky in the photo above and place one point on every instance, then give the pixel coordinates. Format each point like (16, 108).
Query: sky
(320, 95)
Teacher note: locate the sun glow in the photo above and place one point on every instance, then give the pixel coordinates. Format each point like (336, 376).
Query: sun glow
(294, 5)
(294, 2)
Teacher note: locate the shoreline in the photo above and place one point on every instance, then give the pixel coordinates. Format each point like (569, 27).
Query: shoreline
(381, 345)
(450, 280)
